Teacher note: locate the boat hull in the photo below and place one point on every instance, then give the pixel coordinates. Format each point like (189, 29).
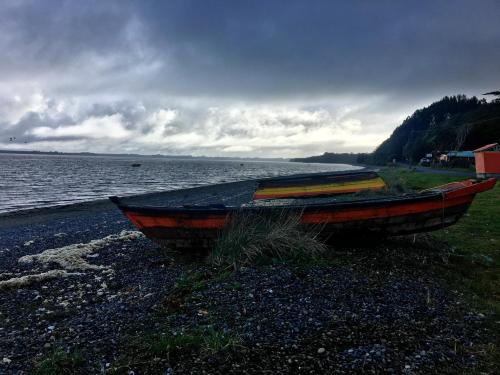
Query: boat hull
(199, 227)
(323, 184)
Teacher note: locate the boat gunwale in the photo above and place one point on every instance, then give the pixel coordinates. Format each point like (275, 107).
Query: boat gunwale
(299, 176)
(321, 178)
(437, 193)
(322, 205)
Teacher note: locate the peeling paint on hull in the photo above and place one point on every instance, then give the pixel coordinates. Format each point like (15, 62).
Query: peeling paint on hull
(420, 212)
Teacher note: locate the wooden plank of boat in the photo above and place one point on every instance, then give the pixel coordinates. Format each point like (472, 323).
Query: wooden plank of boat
(429, 210)
(318, 185)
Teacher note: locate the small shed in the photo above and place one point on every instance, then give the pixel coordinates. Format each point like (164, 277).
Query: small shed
(488, 161)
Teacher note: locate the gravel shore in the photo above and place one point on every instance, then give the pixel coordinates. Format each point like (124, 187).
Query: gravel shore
(371, 309)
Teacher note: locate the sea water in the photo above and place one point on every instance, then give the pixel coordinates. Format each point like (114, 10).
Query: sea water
(34, 180)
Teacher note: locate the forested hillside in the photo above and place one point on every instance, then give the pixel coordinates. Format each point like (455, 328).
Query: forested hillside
(329, 157)
(452, 123)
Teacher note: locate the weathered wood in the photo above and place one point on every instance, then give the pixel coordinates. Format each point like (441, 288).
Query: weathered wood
(199, 226)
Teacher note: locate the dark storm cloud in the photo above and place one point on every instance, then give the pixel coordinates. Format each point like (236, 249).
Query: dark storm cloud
(214, 67)
(326, 47)
(266, 48)
(26, 123)
(57, 32)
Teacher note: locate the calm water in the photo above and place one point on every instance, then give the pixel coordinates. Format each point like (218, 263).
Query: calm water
(28, 181)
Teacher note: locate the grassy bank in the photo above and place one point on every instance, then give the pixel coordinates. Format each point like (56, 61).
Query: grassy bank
(475, 239)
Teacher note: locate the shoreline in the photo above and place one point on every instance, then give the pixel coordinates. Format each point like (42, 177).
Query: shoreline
(37, 214)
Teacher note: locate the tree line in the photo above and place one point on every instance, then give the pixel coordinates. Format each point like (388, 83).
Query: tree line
(453, 123)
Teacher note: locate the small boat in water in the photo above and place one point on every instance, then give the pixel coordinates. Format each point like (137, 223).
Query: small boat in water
(136, 164)
(196, 226)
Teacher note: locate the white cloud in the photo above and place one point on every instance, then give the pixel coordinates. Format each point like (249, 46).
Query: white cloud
(243, 129)
(257, 130)
(158, 125)
(240, 148)
(14, 107)
(93, 127)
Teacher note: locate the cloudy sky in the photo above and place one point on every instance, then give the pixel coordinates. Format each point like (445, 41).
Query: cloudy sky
(236, 78)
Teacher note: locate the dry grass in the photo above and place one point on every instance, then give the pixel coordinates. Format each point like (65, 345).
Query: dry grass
(254, 237)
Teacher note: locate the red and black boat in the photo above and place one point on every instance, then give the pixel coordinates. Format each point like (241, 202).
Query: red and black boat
(195, 226)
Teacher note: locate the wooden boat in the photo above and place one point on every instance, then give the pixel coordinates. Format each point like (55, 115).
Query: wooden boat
(318, 184)
(198, 226)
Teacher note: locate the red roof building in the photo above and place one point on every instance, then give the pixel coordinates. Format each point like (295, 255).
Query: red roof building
(488, 160)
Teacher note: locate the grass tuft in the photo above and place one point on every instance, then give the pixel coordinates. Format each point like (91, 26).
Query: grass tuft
(214, 341)
(183, 289)
(145, 351)
(191, 282)
(60, 362)
(159, 344)
(235, 285)
(202, 338)
(251, 238)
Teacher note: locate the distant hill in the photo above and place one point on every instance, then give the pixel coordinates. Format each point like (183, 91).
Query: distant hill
(329, 157)
(58, 153)
(452, 123)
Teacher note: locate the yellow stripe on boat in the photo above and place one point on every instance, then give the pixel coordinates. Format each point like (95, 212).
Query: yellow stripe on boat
(337, 187)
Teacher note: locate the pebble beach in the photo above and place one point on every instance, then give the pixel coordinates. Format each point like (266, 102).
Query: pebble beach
(80, 279)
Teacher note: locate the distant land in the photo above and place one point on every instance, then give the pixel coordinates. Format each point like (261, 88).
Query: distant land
(330, 157)
(33, 152)
(452, 123)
